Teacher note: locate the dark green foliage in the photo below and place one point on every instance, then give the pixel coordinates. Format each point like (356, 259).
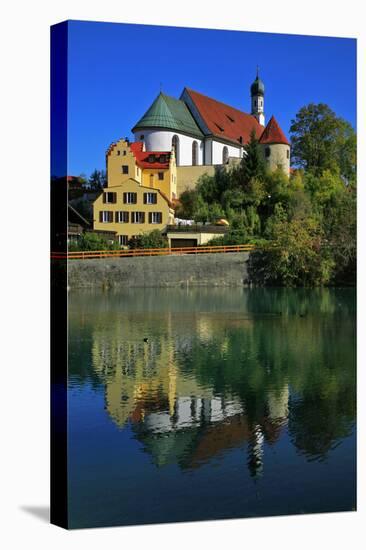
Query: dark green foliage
(154, 239)
(252, 166)
(97, 180)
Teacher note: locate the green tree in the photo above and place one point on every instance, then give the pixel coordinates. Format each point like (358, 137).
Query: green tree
(252, 166)
(324, 187)
(93, 241)
(322, 141)
(340, 229)
(154, 239)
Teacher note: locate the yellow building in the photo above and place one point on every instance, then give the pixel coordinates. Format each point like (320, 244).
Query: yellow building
(130, 209)
(141, 188)
(152, 169)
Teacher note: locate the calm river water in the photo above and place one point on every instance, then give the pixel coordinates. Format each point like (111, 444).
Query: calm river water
(210, 403)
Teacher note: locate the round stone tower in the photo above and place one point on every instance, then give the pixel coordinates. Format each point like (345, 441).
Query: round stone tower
(275, 147)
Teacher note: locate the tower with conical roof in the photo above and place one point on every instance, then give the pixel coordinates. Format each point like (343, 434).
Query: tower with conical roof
(275, 146)
(257, 95)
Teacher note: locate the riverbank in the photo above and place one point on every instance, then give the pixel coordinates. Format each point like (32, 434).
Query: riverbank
(166, 271)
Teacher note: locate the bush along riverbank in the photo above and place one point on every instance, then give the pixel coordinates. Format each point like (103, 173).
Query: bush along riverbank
(305, 224)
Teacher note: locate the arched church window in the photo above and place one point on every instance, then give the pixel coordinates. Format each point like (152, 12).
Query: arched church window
(194, 153)
(288, 153)
(175, 147)
(268, 152)
(225, 155)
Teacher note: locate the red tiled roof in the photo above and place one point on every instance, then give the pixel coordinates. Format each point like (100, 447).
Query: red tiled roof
(273, 133)
(225, 121)
(142, 157)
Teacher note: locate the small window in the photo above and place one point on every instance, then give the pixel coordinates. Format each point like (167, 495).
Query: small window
(124, 169)
(194, 153)
(288, 153)
(142, 136)
(105, 216)
(150, 198)
(109, 197)
(151, 158)
(130, 198)
(155, 217)
(268, 152)
(123, 240)
(124, 153)
(225, 155)
(162, 159)
(137, 217)
(122, 217)
(118, 153)
(161, 176)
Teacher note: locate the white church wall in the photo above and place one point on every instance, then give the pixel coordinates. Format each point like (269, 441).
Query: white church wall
(217, 151)
(161, 140)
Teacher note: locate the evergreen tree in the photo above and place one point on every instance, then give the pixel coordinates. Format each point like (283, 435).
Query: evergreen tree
(252, 166)
(97, 180)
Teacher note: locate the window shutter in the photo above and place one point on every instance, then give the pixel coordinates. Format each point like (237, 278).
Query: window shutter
(100, 216)
(104, 198)
(145, 198)
(150, 217)
(134, 198)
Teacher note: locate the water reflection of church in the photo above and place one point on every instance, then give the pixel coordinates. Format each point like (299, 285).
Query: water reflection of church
(177, 419)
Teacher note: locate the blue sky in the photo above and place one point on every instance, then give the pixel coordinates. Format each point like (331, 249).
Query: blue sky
(116, 70)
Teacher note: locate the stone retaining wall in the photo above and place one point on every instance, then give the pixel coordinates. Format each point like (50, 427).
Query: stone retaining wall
(229, 269)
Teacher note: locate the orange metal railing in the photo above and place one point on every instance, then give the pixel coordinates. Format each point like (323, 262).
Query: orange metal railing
(93, 254)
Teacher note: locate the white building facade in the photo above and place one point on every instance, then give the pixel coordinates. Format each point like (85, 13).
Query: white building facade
(203, 131)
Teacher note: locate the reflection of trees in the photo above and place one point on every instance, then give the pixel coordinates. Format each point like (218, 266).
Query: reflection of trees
(272, 340)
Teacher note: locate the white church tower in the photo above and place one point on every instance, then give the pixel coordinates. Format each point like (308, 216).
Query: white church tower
(257, 95)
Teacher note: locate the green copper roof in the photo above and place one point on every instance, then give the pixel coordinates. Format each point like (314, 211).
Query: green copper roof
(168, 112)
(257, 88)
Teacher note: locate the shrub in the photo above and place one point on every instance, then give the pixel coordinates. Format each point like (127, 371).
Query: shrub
(154, 239)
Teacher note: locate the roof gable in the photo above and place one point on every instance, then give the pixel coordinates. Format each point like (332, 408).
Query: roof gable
(168, 112)
(223, 120)
(273, 133)
(162, 158)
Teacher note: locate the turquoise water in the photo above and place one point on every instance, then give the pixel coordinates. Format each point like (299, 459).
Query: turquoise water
(210, 403)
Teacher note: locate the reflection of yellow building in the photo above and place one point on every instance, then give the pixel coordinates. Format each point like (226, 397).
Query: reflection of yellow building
(141, 188)
(178, 418)
(138, 374)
